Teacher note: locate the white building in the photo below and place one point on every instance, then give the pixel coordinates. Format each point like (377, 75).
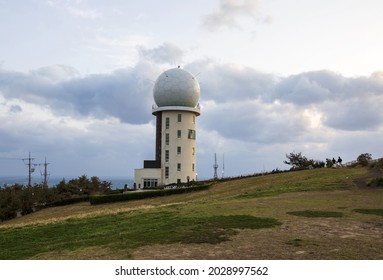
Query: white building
(176, 93)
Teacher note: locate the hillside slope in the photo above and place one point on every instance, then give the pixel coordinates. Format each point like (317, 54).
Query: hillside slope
(251, 218)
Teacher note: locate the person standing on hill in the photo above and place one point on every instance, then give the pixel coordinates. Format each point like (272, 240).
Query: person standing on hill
(339, 161)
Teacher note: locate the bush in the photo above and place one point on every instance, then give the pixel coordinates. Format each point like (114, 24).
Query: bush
(378, 212)
(376, 182)
(68, 201)
(378, 164)
(99, 199)
(363, 159)
(298, 162)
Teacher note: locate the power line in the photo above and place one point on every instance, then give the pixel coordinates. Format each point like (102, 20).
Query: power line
(9, 158)
(31, 168)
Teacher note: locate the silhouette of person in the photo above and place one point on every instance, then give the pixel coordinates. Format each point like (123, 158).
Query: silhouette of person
(333, 161)
(339, 161)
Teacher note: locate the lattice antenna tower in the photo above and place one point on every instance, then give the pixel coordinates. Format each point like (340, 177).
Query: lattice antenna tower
(31, 168)
(45, 173)
(215, 166)
(223, 165)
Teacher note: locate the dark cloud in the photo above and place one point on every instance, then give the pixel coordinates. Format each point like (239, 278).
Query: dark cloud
(103, 118)
(346, 103)
(223, 83)
(253, 121)
(125, 94)
(358, 113)
(15, 109)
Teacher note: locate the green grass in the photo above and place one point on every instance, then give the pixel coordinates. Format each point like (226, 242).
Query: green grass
(312, 180)
(124, 231)
(316, 214)
(378, 212)
(153, 228)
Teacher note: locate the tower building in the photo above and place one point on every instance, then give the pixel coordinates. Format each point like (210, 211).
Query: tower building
(176, 94)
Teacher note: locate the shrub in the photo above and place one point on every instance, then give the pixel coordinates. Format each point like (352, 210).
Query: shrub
(99, 199)
(378, 211)
(376, 182)
(378, 164)
(298, 162)
(363, 159)
(68, 201)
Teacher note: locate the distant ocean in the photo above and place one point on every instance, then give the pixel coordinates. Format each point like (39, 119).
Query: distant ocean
(117, 182)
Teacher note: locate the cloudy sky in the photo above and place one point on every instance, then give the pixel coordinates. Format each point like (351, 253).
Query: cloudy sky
(276, 76)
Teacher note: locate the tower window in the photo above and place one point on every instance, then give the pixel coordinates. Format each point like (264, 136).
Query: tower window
(178, 150)
(191, 134)
(166, 172)
(166, 155)
(167, 122)
(167, 138)
(179, 117)
(178, 166)
(193, 119)
(193, 151)
(179, 134)
(193, 167)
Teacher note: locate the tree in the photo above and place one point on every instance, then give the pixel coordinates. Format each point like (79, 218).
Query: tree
(363, 159)
(9, 202)
(298, 161)
(329, 162)
(26, 199)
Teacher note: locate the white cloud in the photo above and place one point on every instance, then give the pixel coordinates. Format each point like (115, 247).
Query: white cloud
(166, 53)
(56, 73)
(230, 12)
(75, 8)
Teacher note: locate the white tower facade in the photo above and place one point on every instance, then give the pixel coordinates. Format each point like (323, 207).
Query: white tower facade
(176, 93)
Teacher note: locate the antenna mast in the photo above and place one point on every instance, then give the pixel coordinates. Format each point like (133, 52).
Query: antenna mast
(223, 165)
(45, 174)
(215, 166)
(31, 168)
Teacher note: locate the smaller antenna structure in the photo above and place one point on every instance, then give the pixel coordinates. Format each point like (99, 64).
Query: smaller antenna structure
(223, 165)
(45, 173)
(215, 166)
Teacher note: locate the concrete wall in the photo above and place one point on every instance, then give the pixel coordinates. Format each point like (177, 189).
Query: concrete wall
(187, 157)
(146, 173)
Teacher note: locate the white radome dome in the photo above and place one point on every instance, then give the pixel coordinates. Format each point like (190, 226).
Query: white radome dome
(176, 87)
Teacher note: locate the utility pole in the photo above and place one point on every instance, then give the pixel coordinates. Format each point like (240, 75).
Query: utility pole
(31, 168)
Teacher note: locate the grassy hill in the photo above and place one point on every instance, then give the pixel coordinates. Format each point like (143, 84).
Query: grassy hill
(311, 214)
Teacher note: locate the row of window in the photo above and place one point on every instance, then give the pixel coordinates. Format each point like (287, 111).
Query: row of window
(179, 149)
(179, 119)
(150, 183)
(191, 135)
(178, 169)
